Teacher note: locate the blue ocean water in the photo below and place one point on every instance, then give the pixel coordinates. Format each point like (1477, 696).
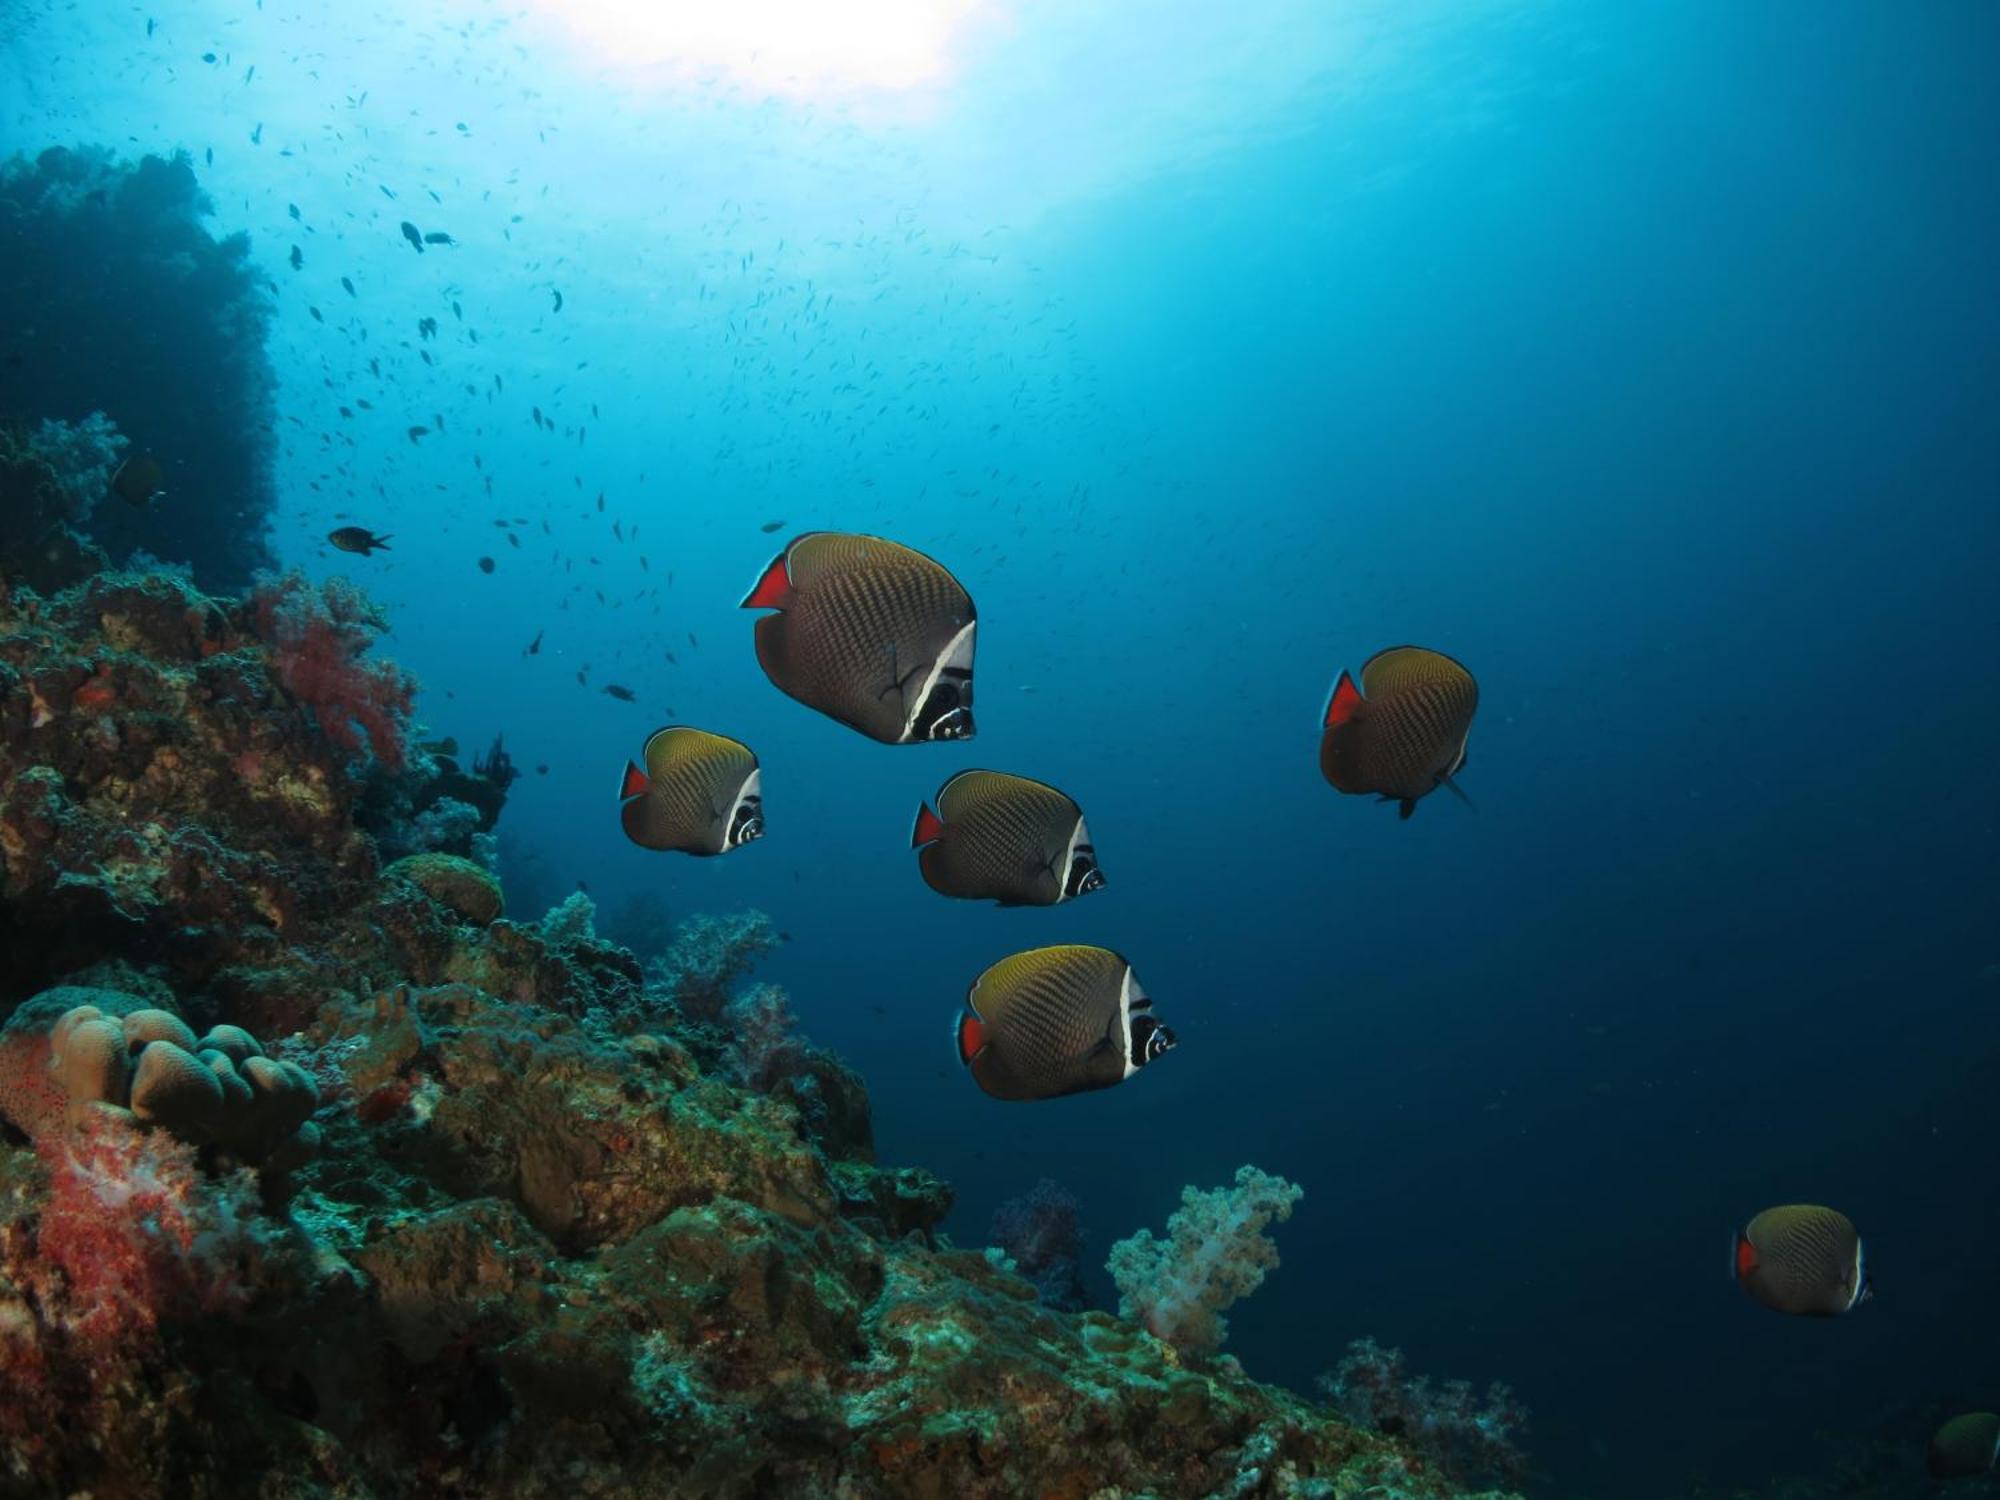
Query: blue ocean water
(1646, 359)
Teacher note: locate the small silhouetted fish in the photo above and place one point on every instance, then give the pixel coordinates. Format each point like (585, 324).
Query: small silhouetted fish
(486, 565)
(558, 306)
(1055, 1021)
(513, 540)
(150, 24)
(411, 233)
(208, 156)
(620, 692)
(1801, 1259)
(208, 57)
(427, 327)
(349, 285)
(387, 191)
(137, 481)
(317, 318)
(439, 237)
(542, 769)
(534, 646)
(298, 258)
(419, 432)
(292, 209)
(699, 793)
(257, 135)
(772, 526)
(357, 539)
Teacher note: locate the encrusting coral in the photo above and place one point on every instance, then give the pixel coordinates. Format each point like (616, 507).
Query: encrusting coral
(574, 1229)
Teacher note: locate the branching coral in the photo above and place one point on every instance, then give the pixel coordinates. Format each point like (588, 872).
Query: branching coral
(1463, 1436)
(708, 956)
(317, 637)
(1215, 1253)
(83, 455)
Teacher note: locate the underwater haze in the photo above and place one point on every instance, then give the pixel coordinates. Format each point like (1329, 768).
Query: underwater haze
(1645, 359)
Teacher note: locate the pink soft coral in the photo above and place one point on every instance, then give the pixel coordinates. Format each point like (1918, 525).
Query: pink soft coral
(137, 1233)
(316, 638)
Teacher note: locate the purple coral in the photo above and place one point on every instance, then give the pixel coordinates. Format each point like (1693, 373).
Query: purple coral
(316, 638)
(1464, 1437)
(1040, 1234)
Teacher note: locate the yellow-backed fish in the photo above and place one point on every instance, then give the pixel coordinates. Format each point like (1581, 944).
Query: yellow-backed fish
(1964, 1446)
(1801, 1259)
(1401, 734)
(700, 793)
(1007, 839)
(1054, 1021)
(871, 633)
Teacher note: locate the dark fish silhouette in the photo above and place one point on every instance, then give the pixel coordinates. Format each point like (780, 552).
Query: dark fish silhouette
(622, 693)
(411, 233)
(358, 539)
(138, 481)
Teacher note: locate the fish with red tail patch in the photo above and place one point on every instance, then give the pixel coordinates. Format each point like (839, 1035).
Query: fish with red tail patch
(1401, 733)
(1005, 838)
(698, 793)
(871, 633)
(1056, 1021)
(1801, 1259)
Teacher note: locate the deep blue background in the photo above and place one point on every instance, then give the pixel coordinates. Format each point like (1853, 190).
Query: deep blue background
(1646, 358)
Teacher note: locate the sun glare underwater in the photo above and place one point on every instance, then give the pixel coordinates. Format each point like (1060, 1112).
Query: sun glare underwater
(999, 747)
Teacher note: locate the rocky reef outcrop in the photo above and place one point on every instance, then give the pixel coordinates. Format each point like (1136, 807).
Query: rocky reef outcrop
(573, 1227)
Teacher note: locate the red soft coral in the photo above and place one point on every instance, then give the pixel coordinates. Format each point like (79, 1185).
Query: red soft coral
(316, 638)
(138, 1234)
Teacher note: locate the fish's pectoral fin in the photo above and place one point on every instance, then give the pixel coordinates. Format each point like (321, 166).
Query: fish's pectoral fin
(1451, 785)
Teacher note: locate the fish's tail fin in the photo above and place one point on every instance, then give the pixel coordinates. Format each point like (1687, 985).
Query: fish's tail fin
(634, 784)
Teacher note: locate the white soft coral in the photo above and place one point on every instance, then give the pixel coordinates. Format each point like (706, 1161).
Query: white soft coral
(1215, 1254)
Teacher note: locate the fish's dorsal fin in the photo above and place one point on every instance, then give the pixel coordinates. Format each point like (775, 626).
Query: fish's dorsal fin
(773, 589)
(1341, 702)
